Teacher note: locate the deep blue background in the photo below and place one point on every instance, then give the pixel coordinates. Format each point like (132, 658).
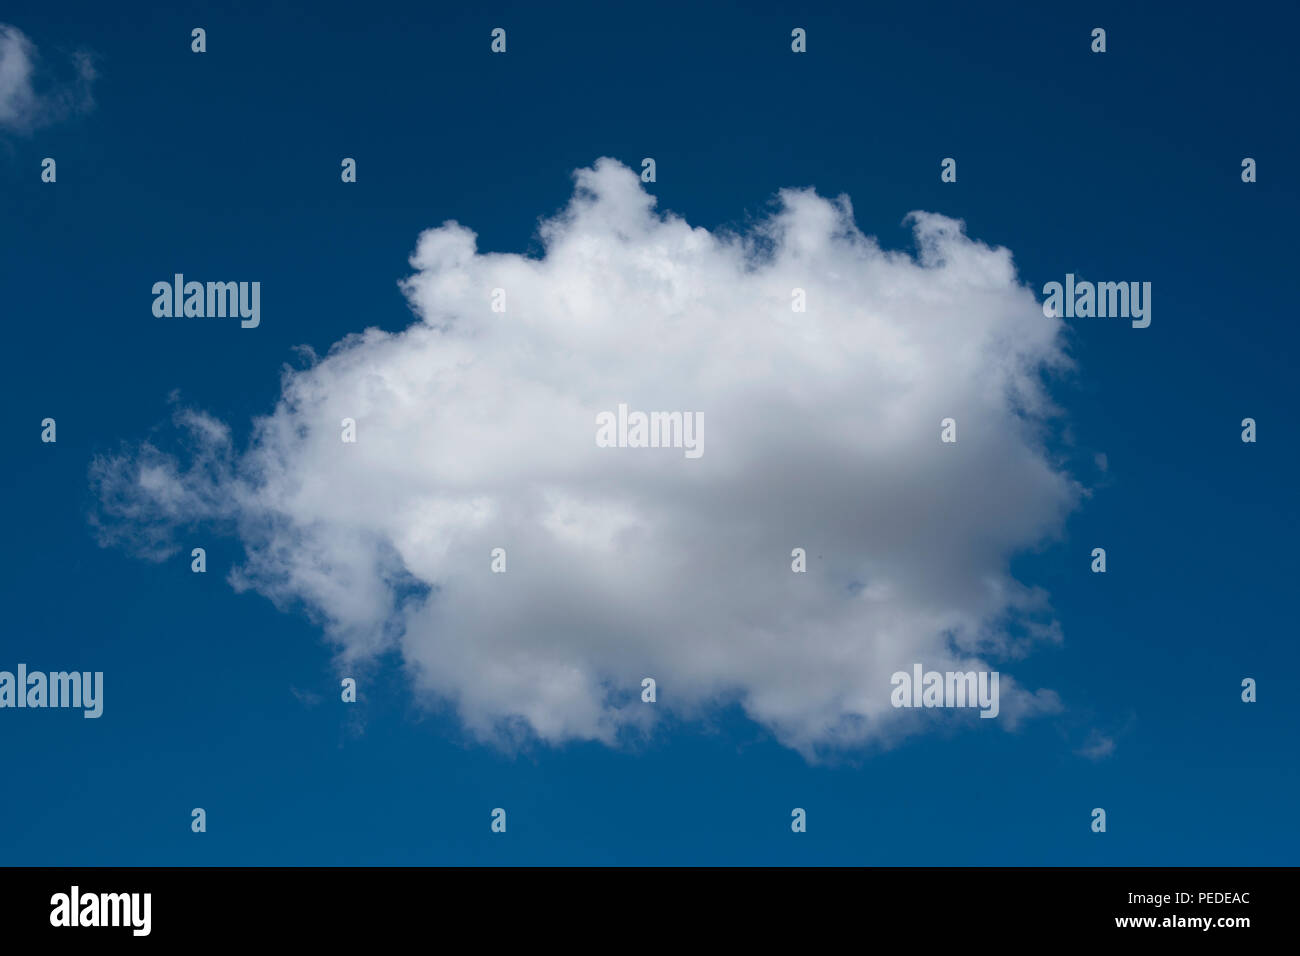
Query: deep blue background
(1117, 166)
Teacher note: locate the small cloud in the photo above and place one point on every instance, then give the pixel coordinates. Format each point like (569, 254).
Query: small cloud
(32, 96)
(1103, 464)
(478, 432)
(1098, 746)
(305, 697)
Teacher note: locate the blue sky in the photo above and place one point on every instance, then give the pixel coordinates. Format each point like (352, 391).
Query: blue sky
(226, 165)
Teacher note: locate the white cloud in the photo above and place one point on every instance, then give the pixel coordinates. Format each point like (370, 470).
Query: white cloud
(29, 97)
(476, 430)
(1098, 746)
